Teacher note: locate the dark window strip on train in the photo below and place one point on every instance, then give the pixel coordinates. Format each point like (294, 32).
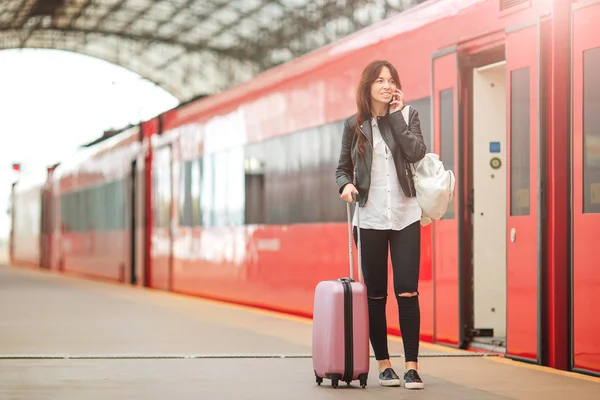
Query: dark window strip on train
(97, 208)
(283, 180)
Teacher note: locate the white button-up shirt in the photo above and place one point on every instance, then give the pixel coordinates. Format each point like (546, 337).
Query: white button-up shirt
(387, 207)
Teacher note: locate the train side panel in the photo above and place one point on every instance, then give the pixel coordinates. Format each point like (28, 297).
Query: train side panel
(293, 131)
(93, 195)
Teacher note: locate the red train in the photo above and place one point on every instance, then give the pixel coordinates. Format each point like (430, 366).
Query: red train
(233, 196)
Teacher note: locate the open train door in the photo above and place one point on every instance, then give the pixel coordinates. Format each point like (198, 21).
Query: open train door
(448, 318)
(524, 238)
(585, 188)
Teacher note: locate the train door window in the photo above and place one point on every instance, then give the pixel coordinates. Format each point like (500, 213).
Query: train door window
(423, 106)
(519, 142)
(591, 131)
(447, 137)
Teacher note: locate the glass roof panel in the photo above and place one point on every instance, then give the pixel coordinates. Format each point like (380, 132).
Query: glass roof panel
(189, 47)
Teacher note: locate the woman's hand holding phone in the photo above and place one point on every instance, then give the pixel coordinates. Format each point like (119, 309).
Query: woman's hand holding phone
(397, 102)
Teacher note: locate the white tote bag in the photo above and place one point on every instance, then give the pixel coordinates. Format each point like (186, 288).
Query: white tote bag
(434, 185)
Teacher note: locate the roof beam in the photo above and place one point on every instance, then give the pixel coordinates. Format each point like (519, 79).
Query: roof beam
(190, 47)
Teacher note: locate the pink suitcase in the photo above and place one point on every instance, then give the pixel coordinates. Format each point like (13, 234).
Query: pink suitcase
(340, 349)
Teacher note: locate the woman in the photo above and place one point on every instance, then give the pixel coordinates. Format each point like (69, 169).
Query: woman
(377, 147)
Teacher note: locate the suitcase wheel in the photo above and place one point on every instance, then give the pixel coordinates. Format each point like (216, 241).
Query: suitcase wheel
(363, 381)
(319, 380)
(334, 383)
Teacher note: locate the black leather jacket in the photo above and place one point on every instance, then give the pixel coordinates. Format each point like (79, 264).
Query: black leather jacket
(405, 143)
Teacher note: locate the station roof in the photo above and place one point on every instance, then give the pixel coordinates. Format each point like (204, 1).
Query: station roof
(189, 47)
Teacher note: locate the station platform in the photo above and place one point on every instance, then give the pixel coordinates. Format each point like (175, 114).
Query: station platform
(70, 338)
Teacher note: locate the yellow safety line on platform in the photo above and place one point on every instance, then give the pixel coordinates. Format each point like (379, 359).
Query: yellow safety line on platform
(541, 368)
(241, 307)
(305, 320)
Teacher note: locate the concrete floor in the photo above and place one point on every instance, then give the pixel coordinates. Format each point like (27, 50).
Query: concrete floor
(67, 338)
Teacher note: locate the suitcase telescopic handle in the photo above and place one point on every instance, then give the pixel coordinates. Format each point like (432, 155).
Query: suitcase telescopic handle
(355, 197)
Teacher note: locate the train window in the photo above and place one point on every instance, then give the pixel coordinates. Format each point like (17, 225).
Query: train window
(447, 137)
(157, 205)
(63, 212)
(235, 187)
(111, 213)
(80, 221)
(591, 131)
(330, 144)
(301, 207)
(207, 190)
(276, 184)
(120, 203)
(423, 106)
(220, 175)
(155, 198)
(87, 208)
(110, 206)
(254, 163)
(506, 4)
(254, 212)
(161, 190)
(104, 196)
(196, 181)
(185, 196)
(520, 136)
(103, 224)
(98, 206)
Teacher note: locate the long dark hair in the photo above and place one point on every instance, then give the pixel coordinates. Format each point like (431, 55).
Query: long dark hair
(363, 95)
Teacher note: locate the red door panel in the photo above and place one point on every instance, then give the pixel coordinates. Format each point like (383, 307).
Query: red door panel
(522, 318)
(445, 231)
(586, 188)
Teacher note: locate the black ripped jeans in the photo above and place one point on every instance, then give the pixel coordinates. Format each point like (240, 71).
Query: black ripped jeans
(405, 250)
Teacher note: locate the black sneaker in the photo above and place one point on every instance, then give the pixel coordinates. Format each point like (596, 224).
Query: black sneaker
(389, 378)
(412, 380)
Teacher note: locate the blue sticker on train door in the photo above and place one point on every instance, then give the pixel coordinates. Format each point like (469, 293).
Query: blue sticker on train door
(494, 147)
